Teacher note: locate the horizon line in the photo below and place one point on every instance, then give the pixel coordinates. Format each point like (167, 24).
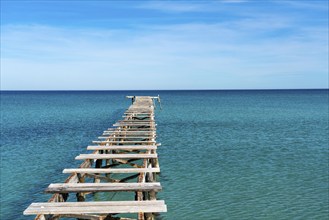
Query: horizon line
(119, 90)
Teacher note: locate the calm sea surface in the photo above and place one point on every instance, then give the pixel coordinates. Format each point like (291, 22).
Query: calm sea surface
(224, 154)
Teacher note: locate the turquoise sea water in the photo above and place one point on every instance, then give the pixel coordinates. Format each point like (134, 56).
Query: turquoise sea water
(224, 154)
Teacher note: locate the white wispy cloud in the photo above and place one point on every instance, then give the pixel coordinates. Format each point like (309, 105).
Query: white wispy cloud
(188, 6)
(171, 6)
(166, 56)
(253, 50)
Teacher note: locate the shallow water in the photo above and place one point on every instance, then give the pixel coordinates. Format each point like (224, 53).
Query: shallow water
(224, 154)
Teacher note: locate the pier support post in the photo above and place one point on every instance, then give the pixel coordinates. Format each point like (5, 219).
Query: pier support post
(80, 196)
(98, 165)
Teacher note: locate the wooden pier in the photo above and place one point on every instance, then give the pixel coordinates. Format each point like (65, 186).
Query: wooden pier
(124, 160)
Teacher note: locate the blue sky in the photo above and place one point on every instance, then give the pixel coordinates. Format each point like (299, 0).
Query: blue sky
(119, 45)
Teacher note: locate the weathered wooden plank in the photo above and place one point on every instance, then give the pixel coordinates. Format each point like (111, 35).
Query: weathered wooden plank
(149, 113)
(115, 156)
(101, 203)
(139, 106)
(141, 97)
(123, 147)
(111, 170)
(135, 142)
(132, 126)
(131, 131)
(126, 137)
(139, 117)
(136, 120)
(102, 187)
(96, 207)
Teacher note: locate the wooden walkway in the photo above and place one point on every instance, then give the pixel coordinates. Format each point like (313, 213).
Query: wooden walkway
(124, 160)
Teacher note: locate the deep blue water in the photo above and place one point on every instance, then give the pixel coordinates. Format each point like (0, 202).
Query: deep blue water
(259, 154)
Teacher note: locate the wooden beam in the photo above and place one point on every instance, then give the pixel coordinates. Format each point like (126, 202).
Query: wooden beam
(102, 187)
(134, 120)
(127, 137)
(123, 147)
(141, 97)
(95, 207)
(133, 125)
(131, 131)
(121, 138)
(139, 113)
(117, 142)
(115, 156)
(111, 170)
(118, 134)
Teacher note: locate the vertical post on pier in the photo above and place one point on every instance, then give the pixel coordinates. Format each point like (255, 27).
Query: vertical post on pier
(98, 164)
(80, 196)
(151, 195)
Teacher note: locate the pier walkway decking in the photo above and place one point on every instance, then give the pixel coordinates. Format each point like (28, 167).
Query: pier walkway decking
(124, 160)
